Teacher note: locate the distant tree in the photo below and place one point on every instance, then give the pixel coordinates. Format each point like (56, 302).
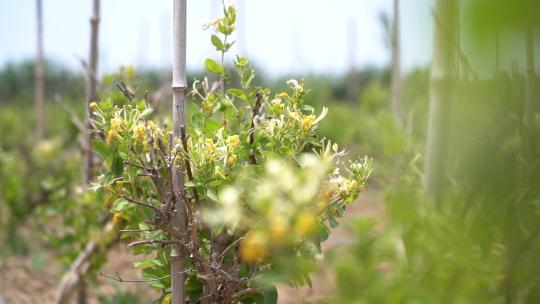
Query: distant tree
(396, 63)
(91, 90)
(39, 94)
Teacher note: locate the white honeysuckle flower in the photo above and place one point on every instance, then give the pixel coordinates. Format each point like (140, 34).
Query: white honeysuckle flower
(287, 179)
(229, 196)
(292, 83)
(230, 211)
(294, 115)
(322, 115)
(308, 160)
(273, 166)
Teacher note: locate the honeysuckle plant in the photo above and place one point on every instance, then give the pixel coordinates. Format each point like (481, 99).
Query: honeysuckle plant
(261, 190)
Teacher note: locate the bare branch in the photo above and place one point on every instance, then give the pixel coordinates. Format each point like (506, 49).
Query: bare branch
(230, 246)
(188, 164)
(156, 209)
(124, 89)
(74, 118)
(151, 242)
(136, 230)
(241, 294)
(119, 279)
(256, 110)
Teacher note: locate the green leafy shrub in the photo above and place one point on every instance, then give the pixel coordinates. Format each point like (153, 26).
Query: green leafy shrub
(262, 189)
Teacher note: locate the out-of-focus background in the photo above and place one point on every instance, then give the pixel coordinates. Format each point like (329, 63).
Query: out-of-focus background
(444, 95)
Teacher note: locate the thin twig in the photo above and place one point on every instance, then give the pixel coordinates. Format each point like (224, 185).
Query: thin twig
(141, 203)
(151, 242)
(230, 246)
(136, 230)
(74, 118)
(135, 165)
(188, 164)
(124, 89)
(242, 293)
(119, 279)
(256, 109)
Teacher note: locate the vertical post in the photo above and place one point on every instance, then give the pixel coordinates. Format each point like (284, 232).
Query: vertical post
(441, 96)
(396, 64)
(91, 90)
(179, 89)
(39, 75)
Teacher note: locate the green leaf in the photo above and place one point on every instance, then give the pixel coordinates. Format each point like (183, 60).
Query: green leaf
(215, 183)
(241, 61)
(212, 195)
(247, 77)
(152, 274)
(147, 112)
(213, 67)
(191, 184)
(196, 118)
(307, 108)
(333, 222)
(231, 15)
(143, 264)
(229, 45)
(212, 125)
(121, 205)
(100, 147)
(238, 93)
(217, 42)
(117, 165)
(270, 295)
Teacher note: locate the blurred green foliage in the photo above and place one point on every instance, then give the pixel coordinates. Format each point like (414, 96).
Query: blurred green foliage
(33, 174)
(480, 246)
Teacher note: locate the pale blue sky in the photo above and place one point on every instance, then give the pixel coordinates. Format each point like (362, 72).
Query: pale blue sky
(280, 35)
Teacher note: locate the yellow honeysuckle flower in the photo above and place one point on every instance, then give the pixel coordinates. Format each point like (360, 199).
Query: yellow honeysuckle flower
(210, 147)
(207, 106)
(231, 160)
(218, 171)
(111, 135)
(139, 132)
(116, 124)
(279, 227)
(283, 95)
(232, 141)
(253, 247)
(305, 223)
(151, 126)
(307, 123)
(117, 218)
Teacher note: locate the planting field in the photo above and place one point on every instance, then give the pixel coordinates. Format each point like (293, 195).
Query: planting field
(364, 152)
